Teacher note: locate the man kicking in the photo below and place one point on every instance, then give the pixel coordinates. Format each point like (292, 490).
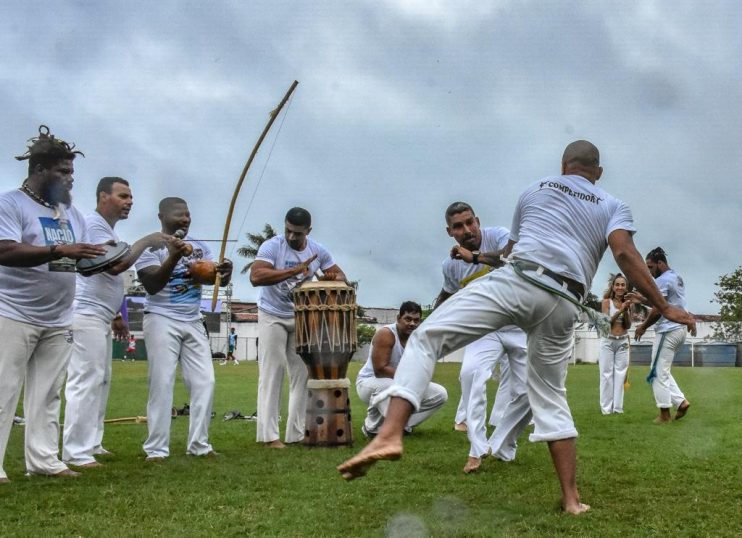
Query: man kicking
(561, 228)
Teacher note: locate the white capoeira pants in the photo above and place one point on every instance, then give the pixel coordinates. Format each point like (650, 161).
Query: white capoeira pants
(470, 363)
(39, 356)
(86, 391)
(368, 388)
(489, 303)
(613, 363)
(666, 391)
(276, 355)
(169, 341)
(506, 346)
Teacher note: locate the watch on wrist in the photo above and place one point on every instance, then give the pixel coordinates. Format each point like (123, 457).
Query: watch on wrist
(475, 256)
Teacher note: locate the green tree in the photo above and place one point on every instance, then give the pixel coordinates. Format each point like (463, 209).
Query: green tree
(593, 301)
(250, 250)
(365, 334)
(729, 296)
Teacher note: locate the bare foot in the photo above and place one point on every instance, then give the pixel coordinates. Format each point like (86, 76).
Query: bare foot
(682, 410)
(90, 465)
(66, 473)
(661, 420)
(577, 509)
(275, 444)
(460, 427)
(376, 450)
(472, 464)
(4, 480)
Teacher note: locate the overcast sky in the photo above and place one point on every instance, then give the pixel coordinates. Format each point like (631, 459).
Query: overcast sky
(402, 108)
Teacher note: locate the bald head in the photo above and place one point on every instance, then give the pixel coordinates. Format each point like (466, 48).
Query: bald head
(582, 158)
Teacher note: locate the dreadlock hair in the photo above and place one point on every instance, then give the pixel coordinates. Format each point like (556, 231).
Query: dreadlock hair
(47, 150)
(657, 255)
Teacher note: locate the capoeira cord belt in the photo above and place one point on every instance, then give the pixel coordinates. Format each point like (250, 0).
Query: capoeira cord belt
(601, 322)
(653, 369)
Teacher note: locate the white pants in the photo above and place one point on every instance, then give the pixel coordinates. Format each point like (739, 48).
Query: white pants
(666, 391)
(169, 341)
(613, 363)
(473, 354)
(276, 355)
(489, 303)
(368, 388)
(506, 346)
(86, 392)
(39, 355)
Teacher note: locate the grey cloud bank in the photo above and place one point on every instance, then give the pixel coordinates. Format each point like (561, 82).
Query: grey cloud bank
(402, 108)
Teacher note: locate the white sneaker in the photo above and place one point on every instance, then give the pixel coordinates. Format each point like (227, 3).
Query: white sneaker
(222, 363)
(236, 362)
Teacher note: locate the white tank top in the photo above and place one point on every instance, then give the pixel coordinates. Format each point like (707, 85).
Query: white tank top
(368, 369)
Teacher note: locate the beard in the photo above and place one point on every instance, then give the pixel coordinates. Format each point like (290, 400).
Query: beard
(55, 193)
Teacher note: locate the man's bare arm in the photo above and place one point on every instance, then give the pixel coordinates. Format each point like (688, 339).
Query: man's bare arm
(383, 344)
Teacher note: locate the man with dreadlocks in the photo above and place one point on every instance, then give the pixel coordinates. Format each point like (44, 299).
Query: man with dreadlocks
(41, 236)
(669, 337)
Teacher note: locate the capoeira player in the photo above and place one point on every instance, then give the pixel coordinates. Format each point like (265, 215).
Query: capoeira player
(376, 375)
(669, 337)
(476, 254)
(41, 236)
(561, 228)
(174, 332)
(98, 299)
(613, 360)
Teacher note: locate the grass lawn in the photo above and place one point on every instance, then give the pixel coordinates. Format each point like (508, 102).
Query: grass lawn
(681, 479)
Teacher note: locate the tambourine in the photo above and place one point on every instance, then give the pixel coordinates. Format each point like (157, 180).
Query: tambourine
(92, 266)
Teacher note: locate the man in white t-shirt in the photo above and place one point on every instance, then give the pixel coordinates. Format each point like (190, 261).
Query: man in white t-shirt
(561, 228)
(41, 236)
(283, 263)
(476, 253)
(174, 332)
(96, 321)
(668, 339)
(377, 373)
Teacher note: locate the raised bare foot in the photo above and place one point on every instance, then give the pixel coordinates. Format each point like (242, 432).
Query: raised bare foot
(472, 464)
(577, 509)
(376, 450)
(682, 410)
(275, 444)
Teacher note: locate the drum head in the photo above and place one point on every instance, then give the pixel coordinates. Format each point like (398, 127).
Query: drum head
(114, 253)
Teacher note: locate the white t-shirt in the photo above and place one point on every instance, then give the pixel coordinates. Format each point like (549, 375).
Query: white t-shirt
(278, 299)
(180, 299)
(563, 223)
(458, 273)
(367, 371)
(673, 289)
(40, 295)
(99, 295)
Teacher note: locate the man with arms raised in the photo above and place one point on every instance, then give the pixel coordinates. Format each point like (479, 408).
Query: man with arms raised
(376, 375)
(174, 331)
(476, 254)
(41, 236)
(283, 263)
(98, 299)
(561, 228)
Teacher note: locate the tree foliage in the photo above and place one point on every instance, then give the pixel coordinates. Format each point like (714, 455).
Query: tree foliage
(250, 250)
(365, 334)
(729, 296)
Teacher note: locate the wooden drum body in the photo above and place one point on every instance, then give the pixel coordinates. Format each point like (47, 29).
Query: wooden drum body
(325, 314)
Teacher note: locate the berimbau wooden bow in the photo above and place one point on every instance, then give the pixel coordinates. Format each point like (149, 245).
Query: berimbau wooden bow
(273, 115)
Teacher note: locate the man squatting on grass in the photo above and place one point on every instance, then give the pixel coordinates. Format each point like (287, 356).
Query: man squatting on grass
(561, 228)
(42, 235)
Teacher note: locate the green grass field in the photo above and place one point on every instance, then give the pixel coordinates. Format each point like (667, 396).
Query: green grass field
(681, 479)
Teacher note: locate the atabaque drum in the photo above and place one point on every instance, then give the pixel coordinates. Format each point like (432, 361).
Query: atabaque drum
(325, 314)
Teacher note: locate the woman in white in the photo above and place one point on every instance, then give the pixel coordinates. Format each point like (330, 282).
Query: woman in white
(613, 360)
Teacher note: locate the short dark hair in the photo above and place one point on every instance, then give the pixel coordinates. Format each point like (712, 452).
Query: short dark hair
(456, 208)
(166, 204)
(410, 307)
(47, 150)
(106, 185)
(298, 216)
(657, 255)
